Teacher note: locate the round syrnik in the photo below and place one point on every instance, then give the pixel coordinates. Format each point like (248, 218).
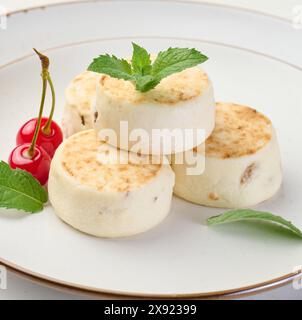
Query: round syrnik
(183, 102)
(239, 131)
(93, 163)
(79, 99)
(242, 161)
(104, 196)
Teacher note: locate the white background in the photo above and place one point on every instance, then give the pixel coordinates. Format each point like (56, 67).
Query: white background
(23, 289)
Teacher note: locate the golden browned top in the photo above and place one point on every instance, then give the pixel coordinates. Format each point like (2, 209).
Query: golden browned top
(91, 162)
(239, 131)
(80, 93)
(178, 87)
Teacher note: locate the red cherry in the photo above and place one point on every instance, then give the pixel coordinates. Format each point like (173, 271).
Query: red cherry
(49, 142)
(38, 165)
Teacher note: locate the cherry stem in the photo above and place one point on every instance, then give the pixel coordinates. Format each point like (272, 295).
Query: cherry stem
(44, 75)
(47, 128)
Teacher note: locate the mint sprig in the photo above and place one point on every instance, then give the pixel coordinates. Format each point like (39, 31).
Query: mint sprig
(142, 72)
(20, 190)
(247, 214)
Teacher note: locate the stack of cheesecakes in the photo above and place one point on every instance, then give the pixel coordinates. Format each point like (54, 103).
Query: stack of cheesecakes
(241, 155)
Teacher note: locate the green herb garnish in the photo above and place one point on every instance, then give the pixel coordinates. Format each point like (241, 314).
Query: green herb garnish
(20, 190)
(247, 214)
(145, 74)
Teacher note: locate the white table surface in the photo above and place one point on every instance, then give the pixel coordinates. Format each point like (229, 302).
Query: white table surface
(18, 288)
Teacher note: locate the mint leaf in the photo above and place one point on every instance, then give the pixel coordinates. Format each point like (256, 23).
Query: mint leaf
(142, 72)
(247, 214)
(111, 65)
(176, 60)
(146, 83)
(141, 62)
(20, 190)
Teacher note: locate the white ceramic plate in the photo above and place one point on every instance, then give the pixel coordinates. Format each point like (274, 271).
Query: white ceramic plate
(254, 60)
